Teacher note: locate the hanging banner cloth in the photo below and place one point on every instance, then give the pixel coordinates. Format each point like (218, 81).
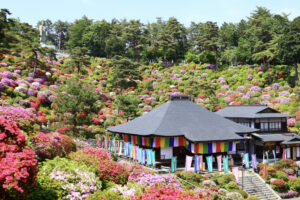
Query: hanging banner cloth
(174, 164)
(254, 162)
(201, 163)
(153, 158)
(197, 163)
(265, 171)
(284, 154)
(219, 161)
(274, 155)
(246, 160)
(226, 165)
(106, 141)
(209, 160)
(148, 157)
(267, 156)
(144, 157)
(235, 171)
(98, 141)
(188, 163)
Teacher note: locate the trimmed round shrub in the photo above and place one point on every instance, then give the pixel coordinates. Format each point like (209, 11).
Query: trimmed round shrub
(282, 175)
(279, 185)
(48, 146)
(294, 184)
(231, 186)
(77, 180)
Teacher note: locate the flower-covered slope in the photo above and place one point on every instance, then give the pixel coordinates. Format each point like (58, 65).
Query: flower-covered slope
(213, 89)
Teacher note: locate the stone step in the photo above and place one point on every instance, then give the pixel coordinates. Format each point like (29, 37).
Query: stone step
(255, 186)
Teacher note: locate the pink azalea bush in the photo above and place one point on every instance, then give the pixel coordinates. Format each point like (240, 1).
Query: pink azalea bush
(48, 146)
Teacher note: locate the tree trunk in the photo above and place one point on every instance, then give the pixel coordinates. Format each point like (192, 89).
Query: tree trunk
(217, 58)
(296, 71)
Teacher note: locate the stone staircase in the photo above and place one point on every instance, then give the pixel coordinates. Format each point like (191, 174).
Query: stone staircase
(255, 186)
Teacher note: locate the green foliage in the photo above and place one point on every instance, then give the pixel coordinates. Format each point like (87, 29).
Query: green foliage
(129, 105)
(47, 189)
(124, 73)
(294, 184)
(281, 175)
(207, 57)
(106, 194)
(94, 38)
(79, 60)
(231, 186)
(87, 159)
(191, 57)
(75, 105)
(223, 179)
(76, 32)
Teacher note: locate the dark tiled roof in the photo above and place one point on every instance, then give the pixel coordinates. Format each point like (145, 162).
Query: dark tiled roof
(183, 118)
(248, 111)
(275, 137)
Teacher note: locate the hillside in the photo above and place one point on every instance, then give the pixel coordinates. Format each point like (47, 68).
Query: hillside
(211, 88)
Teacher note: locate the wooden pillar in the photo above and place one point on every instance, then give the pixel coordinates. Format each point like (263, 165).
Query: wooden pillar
(294, 153)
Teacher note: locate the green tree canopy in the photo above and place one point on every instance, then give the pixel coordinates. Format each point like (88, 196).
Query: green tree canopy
(75, 105)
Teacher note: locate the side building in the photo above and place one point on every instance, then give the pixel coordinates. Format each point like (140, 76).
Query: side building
(180, 127)
(272, 135)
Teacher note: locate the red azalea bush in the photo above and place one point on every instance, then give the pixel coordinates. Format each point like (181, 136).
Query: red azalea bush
(48, 146)
(108, 169)
(165, 192)
(18, 166)
(279, 185)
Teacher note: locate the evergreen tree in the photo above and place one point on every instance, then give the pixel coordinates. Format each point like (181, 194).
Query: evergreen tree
(289, 45)
(124, 72)
(76, 32)
(79, 59)
(75, 105)
(61, 29)
(94, 38)
(129, 105)
(209, 38)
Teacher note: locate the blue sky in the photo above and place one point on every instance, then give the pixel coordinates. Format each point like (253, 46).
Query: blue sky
(184, 10)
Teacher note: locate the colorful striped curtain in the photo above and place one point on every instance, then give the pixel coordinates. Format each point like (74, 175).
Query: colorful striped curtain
(164, 142)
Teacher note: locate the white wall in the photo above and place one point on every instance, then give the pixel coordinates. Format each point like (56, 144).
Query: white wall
(167, 152)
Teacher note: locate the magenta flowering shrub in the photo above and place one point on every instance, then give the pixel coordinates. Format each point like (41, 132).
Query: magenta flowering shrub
(24, 118)
(18, 166)
(48, 146)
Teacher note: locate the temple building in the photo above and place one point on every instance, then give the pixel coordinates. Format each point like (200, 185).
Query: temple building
(180, 127)
(272, 134)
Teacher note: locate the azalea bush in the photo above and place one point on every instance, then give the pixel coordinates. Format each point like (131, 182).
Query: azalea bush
(48, 146)
(25, 119)
(107, 169)
(165, 192)
(18, 166)
(149, 179)
(77, 180)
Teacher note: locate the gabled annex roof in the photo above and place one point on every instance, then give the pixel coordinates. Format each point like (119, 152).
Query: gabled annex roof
(250, 111)
(181, 117)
